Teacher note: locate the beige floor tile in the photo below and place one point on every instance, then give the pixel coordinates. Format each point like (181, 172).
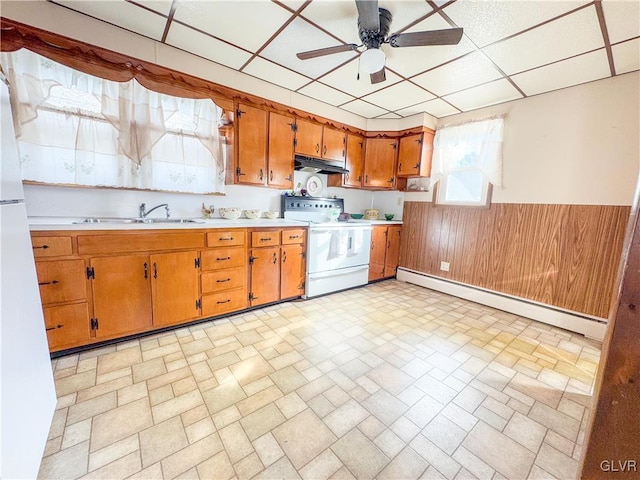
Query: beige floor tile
(121, 468)
(303, 437)
(405, 466)
(423, 411)
(119, 423)
(267, 449)
(536, 390)
(525, 431)
(223, 396)
(390, 443)
(280, 469)
(473, 464)
(556, 463)
(360, 455)
(217, 467)
(75, 383)
(342, 474)
(291, 404)
(69, 463)
(200, 429)
(258, 400)
(390, 378)
(262, 421)
(249, 466)
(117, 360)
(385, 407)
(555, 420)
(321, 467)
(191, 456)
(346, 417)
(444, 433)
(162, 440)
(84, 410)
(112, 452)
(489, 445)
(76, 433)
(154, 472)
(235, 442)
(176, 406)
(251, 369)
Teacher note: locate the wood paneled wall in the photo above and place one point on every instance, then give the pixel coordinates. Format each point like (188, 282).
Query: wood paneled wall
(561, 255)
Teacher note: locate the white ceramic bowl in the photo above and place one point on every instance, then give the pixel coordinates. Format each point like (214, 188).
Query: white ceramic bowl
(271, 215)
(253, 214)
(333, 214)
(230, 213)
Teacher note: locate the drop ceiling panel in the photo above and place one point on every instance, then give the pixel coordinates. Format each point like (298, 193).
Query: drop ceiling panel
(192, 41)
(122, 14)
(325, 94)
(363, 109)
(270, 72)
(488, 21)
(484, 95)
(301, 36)
(160, 6)
(436, 107)
(345, 79)
(466, 72)
(623, 19)
(398, 96)
(339, 18)
(409, 61)
(390, 115)
(626, 56)
(574, 34)
(246, 24)
(293, 4)
(576, 70)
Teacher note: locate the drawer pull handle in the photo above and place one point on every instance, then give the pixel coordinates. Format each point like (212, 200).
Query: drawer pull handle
(41, 246)
(54, 328)
(275, 258)
(223, 239)
(284, 256)
(294, 236)
(155, 270)
(146, 270)
(265, 239)
(223, 281)
(223, 301)
(220, 259)
(52, 282)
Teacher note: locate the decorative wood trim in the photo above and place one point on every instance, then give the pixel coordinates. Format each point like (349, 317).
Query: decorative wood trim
(560, 255)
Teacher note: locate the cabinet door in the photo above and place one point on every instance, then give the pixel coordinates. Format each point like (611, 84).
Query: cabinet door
(252, 145)
(355, 161)
(62, 281)
(67, 325)
(280, 151)
(121, 294)
(174, 283)
(292, 274)
(393, 250)
(409, 155)
(378, 251)
(265, 275)
(308, 138)
(379, 163)
(333, 144)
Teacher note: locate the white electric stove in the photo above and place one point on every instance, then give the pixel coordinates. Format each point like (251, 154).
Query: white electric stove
(337, 251)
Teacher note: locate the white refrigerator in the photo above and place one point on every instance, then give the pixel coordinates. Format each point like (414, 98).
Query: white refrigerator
(27, 392)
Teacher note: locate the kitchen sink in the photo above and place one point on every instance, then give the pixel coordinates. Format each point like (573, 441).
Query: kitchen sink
(136, 220)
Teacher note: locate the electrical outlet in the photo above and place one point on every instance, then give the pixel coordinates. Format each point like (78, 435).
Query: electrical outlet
(399, 201)
(444, 266)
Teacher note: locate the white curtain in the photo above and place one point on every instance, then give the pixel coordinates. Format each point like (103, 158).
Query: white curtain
(74, 128)
(470, 145)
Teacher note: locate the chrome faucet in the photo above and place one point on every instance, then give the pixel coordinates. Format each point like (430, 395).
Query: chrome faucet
(144, 213)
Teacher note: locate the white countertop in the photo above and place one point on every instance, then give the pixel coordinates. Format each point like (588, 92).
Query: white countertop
(386, 222)
(67, 223)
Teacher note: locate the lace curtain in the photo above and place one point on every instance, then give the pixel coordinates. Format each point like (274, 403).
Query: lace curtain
(74, 128)
(476, 145)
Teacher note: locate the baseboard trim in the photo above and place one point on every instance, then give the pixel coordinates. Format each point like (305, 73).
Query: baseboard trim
(591, 327)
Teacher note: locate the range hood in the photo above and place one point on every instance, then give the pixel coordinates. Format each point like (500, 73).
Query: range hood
(316, 165)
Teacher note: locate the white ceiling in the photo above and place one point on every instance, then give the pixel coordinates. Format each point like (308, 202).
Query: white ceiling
(510, 49)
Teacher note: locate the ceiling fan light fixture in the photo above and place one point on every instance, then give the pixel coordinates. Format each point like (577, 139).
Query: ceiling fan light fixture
(372, 60)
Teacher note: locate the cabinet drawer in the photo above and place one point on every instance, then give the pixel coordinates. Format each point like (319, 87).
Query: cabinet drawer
(51, 246)
(293, 236)
(265, 239)
(225, 238)
(67, 326)
(223, 302)
(222, 280)
(223, 258)
(62, 281)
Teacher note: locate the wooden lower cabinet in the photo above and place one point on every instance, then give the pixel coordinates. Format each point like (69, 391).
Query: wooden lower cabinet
(66, 325)
(385, 251)
(121, 289)
(277, 271)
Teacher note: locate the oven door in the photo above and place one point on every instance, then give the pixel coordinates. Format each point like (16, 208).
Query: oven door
(335, 248)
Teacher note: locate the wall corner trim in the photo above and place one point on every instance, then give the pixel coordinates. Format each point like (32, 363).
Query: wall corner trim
(590, 327)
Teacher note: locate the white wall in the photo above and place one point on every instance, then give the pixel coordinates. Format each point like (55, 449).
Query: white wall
(579, 145)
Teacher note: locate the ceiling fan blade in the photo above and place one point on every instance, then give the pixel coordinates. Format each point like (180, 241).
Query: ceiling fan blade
(326, 51)
(368, 15)
(378, 77)
(449, 36)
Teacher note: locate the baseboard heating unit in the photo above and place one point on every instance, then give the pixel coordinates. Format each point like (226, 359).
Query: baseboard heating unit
(591, 327)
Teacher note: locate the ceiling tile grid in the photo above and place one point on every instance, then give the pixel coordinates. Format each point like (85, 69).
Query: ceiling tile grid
(509, 49)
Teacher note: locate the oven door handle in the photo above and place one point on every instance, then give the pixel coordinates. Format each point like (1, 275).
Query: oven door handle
(335, 273)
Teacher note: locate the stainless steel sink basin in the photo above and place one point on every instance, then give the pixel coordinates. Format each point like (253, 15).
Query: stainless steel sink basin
(136, 220)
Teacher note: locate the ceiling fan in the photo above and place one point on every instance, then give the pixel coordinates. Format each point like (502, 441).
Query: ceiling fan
(373, 29)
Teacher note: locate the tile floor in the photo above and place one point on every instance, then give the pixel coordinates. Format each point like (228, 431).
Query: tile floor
(387, 381)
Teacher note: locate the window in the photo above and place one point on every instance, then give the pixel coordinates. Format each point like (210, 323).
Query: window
(77, 129)
(467, 161)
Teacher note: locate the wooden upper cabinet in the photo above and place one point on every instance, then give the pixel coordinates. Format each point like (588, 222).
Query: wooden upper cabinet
(380, 163)
(308, 138)
(251, 128)
(415, 154)
(280, 158)
(333, 144)
(355, 161)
